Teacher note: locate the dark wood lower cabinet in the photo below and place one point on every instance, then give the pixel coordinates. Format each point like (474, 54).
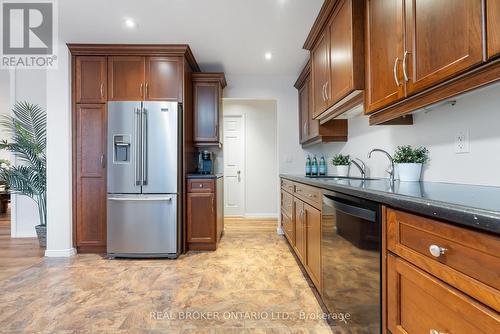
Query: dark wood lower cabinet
(205, 220)
(420, 303)
(301, 223)
(312, 224)
(91, 177)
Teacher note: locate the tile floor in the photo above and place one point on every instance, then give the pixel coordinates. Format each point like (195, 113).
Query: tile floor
(251, 284)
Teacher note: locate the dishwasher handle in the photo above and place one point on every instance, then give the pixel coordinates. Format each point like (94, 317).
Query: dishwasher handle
(356, 211)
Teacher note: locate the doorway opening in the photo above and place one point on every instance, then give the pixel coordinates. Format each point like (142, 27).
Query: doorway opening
(250, 155)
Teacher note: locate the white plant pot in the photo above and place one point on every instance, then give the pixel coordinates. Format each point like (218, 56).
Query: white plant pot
(342, 170)
(410, 172)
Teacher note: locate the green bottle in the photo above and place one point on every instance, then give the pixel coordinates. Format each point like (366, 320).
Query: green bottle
(308, 166)
(314, 167)
(322, 166)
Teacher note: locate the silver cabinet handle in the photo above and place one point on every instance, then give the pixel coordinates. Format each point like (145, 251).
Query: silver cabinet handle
(239, 175)
(102, 90)
(437, 251)
(138, 152)
(326, 90)
(103, 164)
(147, 89)
(405, 74)
(394, 70)
(144, 131)
(141, 90)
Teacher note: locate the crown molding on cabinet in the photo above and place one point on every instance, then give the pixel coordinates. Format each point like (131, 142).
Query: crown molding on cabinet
(135, 49)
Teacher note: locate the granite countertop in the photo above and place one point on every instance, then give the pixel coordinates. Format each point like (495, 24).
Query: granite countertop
(467, 205)
(204, 176)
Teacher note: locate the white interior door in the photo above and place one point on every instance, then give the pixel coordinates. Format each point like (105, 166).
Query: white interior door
(234, 161)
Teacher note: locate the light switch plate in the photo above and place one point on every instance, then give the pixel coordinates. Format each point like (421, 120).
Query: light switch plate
(462, 144)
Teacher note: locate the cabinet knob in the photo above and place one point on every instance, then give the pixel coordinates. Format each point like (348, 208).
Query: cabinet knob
(436, 251)
(433, 331)
(201, 185)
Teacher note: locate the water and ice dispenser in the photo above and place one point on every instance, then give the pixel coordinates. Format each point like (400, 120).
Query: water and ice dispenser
(121, 148)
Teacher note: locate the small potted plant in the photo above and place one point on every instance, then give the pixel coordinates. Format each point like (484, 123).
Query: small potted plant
(341, 162)
(410, 161)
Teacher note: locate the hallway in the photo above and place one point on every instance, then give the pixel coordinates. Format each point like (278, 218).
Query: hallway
(252, 275)
(17, 254)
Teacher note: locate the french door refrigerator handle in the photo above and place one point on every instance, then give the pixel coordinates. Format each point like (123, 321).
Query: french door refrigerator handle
(137, 164)
(144, 149)
(139, 199)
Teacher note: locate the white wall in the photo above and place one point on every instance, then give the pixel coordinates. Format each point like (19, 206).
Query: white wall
(477, 112)
(5, 96)
(261, 154)
(27, 85)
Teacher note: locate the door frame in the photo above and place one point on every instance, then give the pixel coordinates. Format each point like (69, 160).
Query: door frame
(240, 115)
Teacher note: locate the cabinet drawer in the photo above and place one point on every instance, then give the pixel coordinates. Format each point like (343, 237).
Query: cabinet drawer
(201, 186)
(288, 185)
(469, 260)
(420, 303)
(309, 194)
(287, 203)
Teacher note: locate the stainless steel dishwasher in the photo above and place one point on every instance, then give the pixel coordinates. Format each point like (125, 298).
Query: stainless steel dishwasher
(351, 262)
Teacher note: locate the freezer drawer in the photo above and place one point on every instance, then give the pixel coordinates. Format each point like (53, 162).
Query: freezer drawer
(142, 225)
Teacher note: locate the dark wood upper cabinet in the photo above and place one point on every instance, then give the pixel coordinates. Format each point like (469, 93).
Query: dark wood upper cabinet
(163, 79)
(493, 27)
(310, 130)
(443, 38)
(90, 157)
(207, 101)
(385, 49)
(126, 78)
(346, 50)
(321, 74)
(90, 79)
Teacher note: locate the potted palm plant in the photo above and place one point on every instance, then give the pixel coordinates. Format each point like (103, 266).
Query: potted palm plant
(410, 161)
(341, 162)
(27, 128)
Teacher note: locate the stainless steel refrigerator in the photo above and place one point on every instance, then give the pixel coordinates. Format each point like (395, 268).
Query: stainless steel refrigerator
(143, 167)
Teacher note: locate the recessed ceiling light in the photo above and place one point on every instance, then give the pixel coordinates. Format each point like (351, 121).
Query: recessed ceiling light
(268, 56)
(129, 23)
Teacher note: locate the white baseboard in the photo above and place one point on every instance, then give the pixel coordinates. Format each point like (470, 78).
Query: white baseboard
(60, 252)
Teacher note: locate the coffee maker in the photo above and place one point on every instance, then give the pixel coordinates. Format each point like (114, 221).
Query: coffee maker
(205, 162)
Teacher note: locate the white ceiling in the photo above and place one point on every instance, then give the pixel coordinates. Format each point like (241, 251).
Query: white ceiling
(225, 35)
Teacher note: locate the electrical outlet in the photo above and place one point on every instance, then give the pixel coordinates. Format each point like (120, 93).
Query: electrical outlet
(462, 142)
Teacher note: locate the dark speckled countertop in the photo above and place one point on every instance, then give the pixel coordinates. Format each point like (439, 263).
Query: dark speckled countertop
(204, 176)
(467, 205)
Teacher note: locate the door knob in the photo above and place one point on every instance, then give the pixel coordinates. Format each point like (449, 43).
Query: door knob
(437, 251)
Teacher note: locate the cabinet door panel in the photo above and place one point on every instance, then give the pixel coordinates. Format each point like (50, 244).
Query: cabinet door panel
(493, 27)
(126, 78)
(91, 175)
(304, 112)
(443, 38)
(346, 50)
(440, 308)
(90, 79)
(201, 222)
(206, 112)
(384, 39)
(320, 74)
(313, 241)
(300, 238)
(163, 79)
